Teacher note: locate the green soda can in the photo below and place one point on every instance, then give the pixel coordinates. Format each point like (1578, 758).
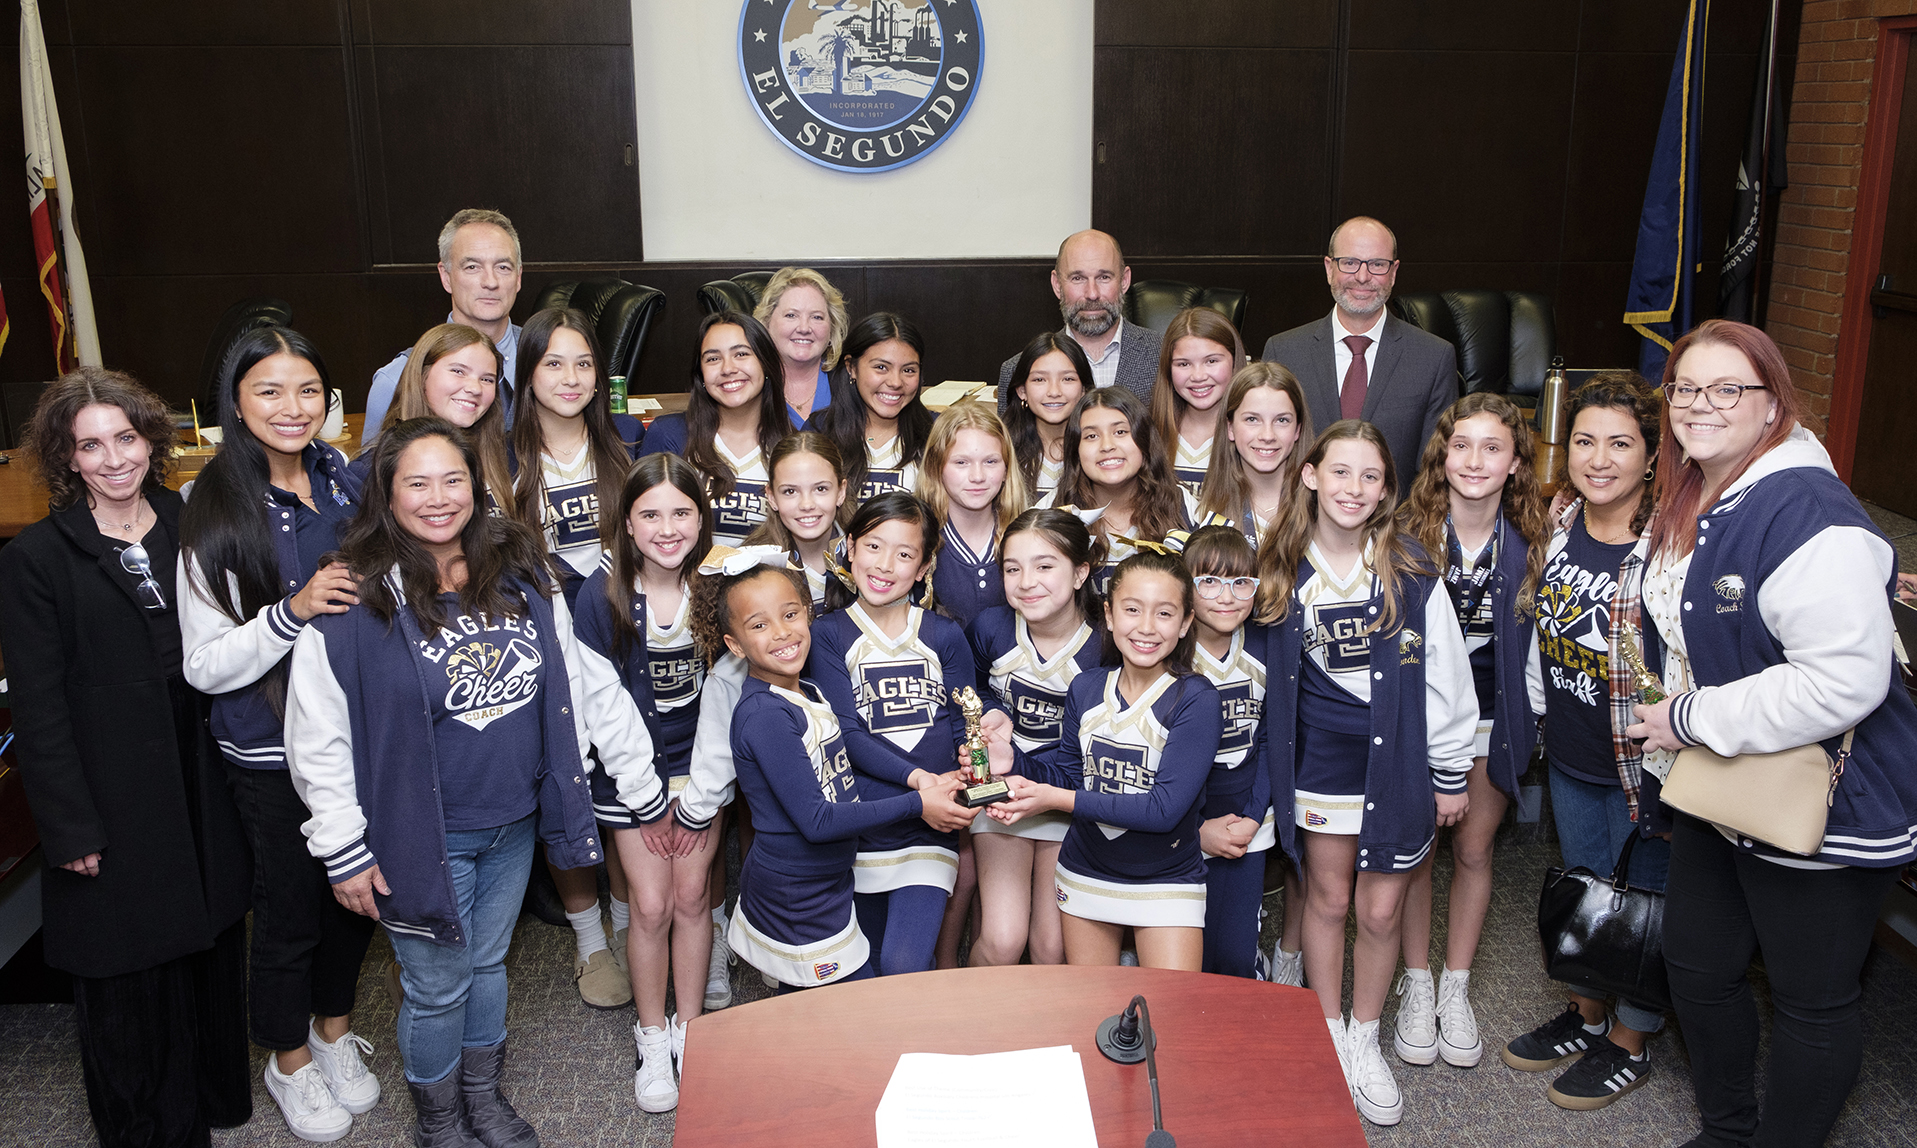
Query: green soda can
(616, 396)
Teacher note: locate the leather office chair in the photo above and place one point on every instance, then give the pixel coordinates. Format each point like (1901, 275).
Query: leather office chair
(621, 314)
(1155, 303)
(741, 292)
(241, 317)
(1505, 339)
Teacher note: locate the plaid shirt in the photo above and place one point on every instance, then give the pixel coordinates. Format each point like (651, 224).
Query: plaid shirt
(1625, 610)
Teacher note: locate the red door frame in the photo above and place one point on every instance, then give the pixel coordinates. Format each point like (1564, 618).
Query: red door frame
(1894, 36)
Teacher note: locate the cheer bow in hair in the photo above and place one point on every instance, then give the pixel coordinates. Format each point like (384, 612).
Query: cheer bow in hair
(1088, 517)
(730, 560)
(1174, 542)
(835, 564)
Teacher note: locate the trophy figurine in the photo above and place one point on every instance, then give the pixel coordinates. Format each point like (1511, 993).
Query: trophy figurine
(1649, 688)
(981, 787)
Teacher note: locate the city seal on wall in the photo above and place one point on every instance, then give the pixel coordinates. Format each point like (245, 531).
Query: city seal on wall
(861, 85)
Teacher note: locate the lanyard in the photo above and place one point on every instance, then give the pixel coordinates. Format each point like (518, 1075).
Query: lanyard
(1468, 591)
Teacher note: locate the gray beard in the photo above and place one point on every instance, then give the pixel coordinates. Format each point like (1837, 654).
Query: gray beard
(1090, 319)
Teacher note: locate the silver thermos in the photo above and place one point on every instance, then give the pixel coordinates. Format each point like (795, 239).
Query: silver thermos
(1553, 402)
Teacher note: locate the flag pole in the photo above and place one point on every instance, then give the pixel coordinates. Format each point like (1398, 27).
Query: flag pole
(1762, 178)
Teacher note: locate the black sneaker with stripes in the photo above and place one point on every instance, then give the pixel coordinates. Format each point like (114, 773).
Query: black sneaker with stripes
(1605, 1073)
(1557, 1041)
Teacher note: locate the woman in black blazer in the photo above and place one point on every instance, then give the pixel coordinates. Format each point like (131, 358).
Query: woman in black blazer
(147, 875)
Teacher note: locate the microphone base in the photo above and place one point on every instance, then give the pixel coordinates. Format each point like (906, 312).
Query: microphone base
(1117, 1052)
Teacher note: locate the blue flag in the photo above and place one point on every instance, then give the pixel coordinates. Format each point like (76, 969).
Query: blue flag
(1659, 304)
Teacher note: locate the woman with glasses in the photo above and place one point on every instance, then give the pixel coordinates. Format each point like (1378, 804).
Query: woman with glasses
(1770, 588)
(264, 515)
(145, 890)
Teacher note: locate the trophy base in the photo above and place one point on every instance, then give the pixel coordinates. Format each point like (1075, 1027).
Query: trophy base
(985, 793)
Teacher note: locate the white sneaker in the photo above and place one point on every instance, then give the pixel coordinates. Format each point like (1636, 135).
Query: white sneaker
(307, 1104)
(1458, 1040)
(1128, 958)
(718, 975)
(1417, 1028)
(1373, 1088)
(1287, 968)
(347, 1078)
(652, 1081)
(1338, 1035)
(677, 1028)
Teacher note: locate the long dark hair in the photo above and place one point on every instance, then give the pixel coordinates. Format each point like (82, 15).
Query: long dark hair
(224, 523)
(1019, 419)
(495, 548)
(702, 411)
(892, 506)
(844, 421)
(1625, 391)
(610, 455)
(1158, 505)
(1074, 541)
(650, 471)
(1178, 661)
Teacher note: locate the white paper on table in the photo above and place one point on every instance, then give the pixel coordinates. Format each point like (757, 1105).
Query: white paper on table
(1032, 1098)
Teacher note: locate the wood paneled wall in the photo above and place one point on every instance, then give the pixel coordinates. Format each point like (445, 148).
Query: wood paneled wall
(310, 149)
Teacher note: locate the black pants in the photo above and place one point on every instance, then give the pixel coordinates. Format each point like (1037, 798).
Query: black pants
(307, 947)
(163, 1050)
(1814, 928)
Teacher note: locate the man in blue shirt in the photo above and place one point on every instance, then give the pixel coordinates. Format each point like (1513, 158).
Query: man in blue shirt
(479, 266)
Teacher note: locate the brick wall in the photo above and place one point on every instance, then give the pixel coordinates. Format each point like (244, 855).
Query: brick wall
(1830, 101)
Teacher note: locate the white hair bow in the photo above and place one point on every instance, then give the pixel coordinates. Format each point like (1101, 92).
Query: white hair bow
(1088, 517)
(727, 560)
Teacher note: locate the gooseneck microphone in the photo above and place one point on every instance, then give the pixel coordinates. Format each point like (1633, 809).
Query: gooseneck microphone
(1128, 1038)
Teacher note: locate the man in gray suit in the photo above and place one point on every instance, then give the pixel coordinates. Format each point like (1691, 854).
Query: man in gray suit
(1090, 280)
(1360, 361)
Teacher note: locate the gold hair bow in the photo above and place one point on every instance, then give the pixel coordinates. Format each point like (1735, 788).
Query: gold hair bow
(1174, 542)
(835, 564)
(730, 560)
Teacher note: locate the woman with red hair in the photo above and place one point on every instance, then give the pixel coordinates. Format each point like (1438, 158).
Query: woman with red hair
(1770, 588)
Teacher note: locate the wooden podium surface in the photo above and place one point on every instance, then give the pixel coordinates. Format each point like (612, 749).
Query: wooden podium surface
(1239, 1061)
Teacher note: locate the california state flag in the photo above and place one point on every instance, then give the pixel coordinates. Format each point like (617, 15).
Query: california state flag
(50, 202)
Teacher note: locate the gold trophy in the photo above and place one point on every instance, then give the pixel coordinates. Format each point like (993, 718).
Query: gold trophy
(981, 788)
(1649, 688)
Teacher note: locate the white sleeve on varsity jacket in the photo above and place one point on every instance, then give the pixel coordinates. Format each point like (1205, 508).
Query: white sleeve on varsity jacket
(221, 654)
(1534, 675)
(608, 718)
(319, 754)
(1827, 606)
(1450, 695)
(710, 784)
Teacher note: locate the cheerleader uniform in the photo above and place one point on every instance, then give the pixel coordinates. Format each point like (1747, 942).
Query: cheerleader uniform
(1238, 783)
(1131, 856)
(1117, 549)
(1190, 464)
(662, 673)
(1032, 691)
(892, 696)
(886, 469)
(735, 515)
(1046, 480)
(570, 516)
(1345, 735)
(964, 583)
(1502, 648)
(794, 920)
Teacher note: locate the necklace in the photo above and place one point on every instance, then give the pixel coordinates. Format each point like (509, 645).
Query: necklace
(1590, 528)
(139, 509)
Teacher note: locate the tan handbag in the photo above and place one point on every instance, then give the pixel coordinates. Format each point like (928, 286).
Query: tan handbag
(1781, 799)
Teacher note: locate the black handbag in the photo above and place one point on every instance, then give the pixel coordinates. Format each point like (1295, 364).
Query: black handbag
(1604, 932)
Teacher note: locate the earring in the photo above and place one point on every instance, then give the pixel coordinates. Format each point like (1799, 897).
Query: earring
(1650, 472)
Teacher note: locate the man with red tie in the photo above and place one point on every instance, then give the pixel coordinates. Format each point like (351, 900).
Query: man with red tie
(1360, 361)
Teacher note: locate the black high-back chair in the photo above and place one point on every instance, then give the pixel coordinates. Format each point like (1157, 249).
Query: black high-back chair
(621, 314)
(1155, 303)
(243, 316)
(740, 293)
(1505, 339)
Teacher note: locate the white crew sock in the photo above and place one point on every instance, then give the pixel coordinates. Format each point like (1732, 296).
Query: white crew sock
(621, 915)
(588, 931)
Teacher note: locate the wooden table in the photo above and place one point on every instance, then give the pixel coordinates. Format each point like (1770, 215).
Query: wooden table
(1239, 1061)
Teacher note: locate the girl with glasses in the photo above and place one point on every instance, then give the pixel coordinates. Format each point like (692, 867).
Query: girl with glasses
(1476, 508)
(265, 515)
(1238, 827)
(145, 887)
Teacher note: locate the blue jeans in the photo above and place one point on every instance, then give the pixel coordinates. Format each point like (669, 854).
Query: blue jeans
(456, 997)
(1593, 822)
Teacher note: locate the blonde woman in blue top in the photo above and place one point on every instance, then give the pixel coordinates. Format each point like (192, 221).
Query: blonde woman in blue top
(1028, 653)
(1136, 746)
